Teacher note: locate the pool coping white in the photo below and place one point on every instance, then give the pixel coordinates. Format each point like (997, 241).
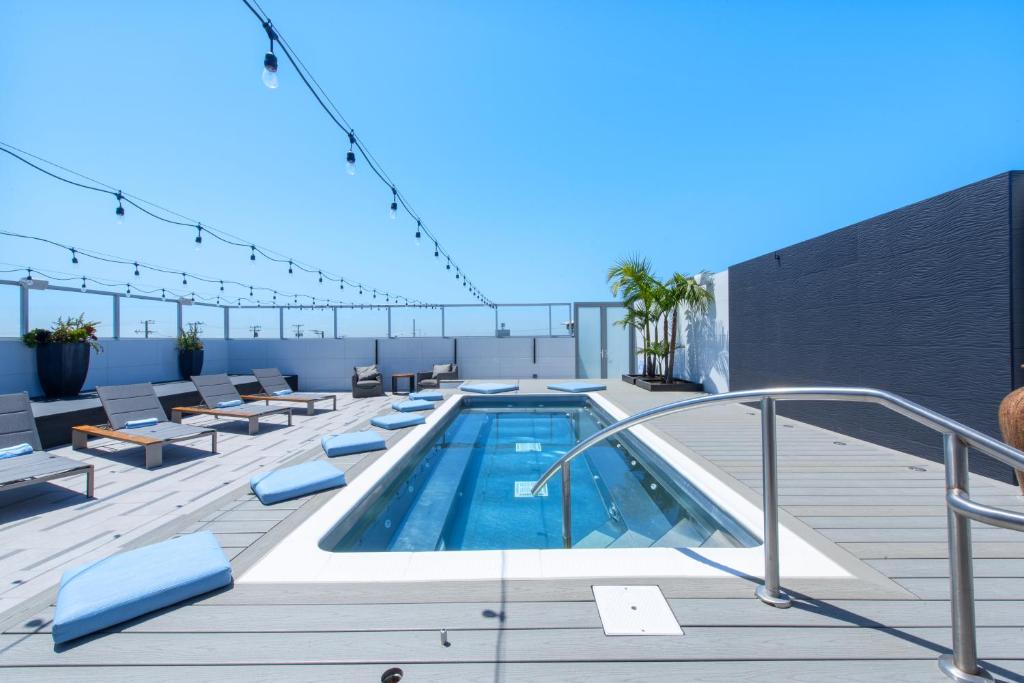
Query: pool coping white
(297, 558)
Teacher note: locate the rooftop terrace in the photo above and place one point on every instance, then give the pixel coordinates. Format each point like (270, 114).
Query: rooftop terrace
(878, 512)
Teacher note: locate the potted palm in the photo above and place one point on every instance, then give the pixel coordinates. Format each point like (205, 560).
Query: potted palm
(652, 310)
(190, 351)
(62, 354)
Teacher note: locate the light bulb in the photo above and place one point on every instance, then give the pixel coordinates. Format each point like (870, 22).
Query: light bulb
(270, 70)
(393, 211)
(74, 257)
(83, 284)
(199, 237)
(119, 211)
(350, 162)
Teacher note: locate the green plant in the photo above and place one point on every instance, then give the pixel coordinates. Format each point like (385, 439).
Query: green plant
(65, 331)
(652, 309)
(188, 340)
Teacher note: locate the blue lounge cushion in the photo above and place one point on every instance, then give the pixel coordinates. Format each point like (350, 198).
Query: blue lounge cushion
(577, 387)
(15, 451)
(230, 404)
(353, 442)
(282, 392)
(427, 396)
(488, 388)
(135, 424)
(397, 421)
(295, 481)
(115, 589)
(412, 406)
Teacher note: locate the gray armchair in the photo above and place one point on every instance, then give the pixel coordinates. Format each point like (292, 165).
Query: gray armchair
(432, 379)
(367, 381)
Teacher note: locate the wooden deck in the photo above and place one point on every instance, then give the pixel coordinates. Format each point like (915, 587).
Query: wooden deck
(871, 506)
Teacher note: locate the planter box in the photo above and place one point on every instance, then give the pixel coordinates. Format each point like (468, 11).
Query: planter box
(629, 379)
(190, 363)
(657, 385)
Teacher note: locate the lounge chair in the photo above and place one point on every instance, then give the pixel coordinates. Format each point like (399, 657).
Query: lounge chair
(136, 416)
(275, 388)
(221, 399)
(367, 381)
(432, 379)
(18, 427)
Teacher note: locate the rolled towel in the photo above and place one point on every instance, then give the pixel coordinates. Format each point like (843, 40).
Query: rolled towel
(135, 424)
(282, 392)
(14, 451)
(230, 404)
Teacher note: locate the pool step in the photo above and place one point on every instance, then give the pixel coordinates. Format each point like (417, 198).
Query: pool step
(422, 528)
(638, 512)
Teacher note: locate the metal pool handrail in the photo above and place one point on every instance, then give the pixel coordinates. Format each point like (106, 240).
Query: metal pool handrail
(962, 665)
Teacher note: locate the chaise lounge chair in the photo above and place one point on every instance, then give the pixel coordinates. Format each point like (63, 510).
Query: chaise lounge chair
(18, 428)
(432, 379)
(221, 399)
(136, 416)
(275, 388)
(367, 381)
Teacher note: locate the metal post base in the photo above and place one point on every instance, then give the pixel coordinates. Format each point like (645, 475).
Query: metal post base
(782, 601)
(947, 667)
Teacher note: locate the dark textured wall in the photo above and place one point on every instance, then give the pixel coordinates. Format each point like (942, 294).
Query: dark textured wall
(916, 301)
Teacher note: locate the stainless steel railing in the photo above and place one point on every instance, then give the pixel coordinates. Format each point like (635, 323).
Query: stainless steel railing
(962, 665)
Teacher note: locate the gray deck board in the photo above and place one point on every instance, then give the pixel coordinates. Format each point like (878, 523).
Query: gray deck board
(856, 496)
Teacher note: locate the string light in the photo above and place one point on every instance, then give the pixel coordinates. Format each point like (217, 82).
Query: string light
(350, 157)
(199, 236)
(83, 284)
(136, 269)
(419, 227)
(325, 102)
(119, 211)
(290, 268)
(198, 227)
(74, 256)
(270, 59)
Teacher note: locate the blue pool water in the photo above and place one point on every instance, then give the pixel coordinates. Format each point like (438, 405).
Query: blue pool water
(468, 488)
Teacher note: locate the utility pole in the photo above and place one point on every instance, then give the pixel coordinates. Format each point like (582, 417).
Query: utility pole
(298, 330)
(414, 327)
(255, 329)
(319, 333)
(146, 328)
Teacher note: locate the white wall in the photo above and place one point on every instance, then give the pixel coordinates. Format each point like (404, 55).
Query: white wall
(123, 361)
(321, 364)
(704, 357)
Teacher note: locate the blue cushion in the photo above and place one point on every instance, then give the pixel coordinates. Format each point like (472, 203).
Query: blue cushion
(353, 442)
(427, 396)
(295, 481)
(15, 451)
(230, 404)
(127, 585)
(397, 421)
(135, 424)
(412, 406)
(282, 392)
(486, 388)
(577, 387)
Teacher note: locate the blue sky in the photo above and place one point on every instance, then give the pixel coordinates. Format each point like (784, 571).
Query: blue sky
(539, 140)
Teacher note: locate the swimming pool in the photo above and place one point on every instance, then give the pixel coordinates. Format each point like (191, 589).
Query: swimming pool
(478, 540)
(468, 488)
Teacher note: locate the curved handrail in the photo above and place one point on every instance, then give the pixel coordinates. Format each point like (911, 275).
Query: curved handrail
(918, 413)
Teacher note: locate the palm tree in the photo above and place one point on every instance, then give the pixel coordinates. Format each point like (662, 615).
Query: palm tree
(682, 290)
(631, 277)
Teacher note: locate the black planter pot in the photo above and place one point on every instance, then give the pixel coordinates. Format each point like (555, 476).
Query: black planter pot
(62, 368)
(190, 363)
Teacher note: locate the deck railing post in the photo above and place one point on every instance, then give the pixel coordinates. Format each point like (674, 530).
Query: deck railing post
(962, 665)
(566, 507)
(770, 592)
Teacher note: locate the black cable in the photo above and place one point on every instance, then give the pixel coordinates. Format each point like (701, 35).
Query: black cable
(339, 120)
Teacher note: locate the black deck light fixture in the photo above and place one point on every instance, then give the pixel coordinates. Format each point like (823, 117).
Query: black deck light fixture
(163, 293)
(270, 59)
(321, 276)
(252, 253)
(199, 235)
(437, 254)
(128, 290)
(222, 285)
(419, 227)
(119, 211)
(290, 271)
(184, 280)
(393, 211)
(350, 157)
(83, 284)
(136, 269)
(74, 257)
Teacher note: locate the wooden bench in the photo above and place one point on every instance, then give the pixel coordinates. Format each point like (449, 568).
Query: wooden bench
(254, 420)
(310, 410)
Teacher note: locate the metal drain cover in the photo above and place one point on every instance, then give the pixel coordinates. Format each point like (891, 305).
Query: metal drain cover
(635, 611)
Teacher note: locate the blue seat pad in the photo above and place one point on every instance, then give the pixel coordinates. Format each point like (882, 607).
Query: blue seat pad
(577, 387)
(488, 388)
(427, 396)
(412, 406)
(127, 585)
(295, 481)
(397, 421)
(353, 442)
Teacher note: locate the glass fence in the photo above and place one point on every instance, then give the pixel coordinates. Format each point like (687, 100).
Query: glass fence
(119, 316)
